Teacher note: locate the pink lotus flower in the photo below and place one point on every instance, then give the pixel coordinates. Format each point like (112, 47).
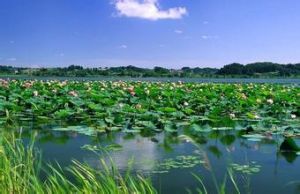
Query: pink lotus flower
(244, 96)
(232, 115)
(35, 93)
(73, 93)
(131, 89)
(270, 101)
(27, 85)
(4, 83)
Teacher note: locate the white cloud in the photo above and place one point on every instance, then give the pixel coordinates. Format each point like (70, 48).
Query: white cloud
(11, 41)
(123, 46)
(147, 9)
(205, 37)
(59, 54)
(178, 31)
(11, 59)
(205, 22)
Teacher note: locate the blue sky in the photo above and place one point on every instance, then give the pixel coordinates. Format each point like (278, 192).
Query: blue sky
(147, 33)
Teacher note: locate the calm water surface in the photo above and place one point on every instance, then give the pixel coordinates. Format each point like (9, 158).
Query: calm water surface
(214, 151)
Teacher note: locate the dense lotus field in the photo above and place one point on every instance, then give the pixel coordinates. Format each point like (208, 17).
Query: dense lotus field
(153, 106)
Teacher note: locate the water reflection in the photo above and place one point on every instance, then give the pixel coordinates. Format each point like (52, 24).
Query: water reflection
(141, 150)
(216, 149)
(147, 143)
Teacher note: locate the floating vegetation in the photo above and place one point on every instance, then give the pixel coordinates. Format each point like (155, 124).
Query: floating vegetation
(78, 129)
(179, 162)
(106, 148)
(153, 106)
(289, 145)
(254, 137)
(21, 171)
(246, 168)
(256, 112)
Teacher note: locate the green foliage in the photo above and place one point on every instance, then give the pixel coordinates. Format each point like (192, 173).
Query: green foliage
(78, 129)
(179, 162)
(20, 169)
(289, 145)
(259, 69)
(255, 69)
(149, 106)
(246, 168)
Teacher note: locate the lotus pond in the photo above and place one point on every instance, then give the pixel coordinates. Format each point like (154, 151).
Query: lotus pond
(186, 137)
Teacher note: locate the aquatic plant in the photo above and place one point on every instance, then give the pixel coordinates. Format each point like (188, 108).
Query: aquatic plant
(137, 106)
(249, 169)
(20, 173)
(179, 162)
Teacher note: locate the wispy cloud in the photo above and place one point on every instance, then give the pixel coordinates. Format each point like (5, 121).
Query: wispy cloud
(11, 41)
(205, 37)
(178, 31)
(11, 59)
(205, 22)
(59, 54)
(147, 9)
(123, 46)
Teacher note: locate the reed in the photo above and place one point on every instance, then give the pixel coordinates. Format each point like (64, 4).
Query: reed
(21, 167)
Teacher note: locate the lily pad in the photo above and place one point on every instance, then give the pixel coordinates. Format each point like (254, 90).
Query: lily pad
(289, 145)
(78, 129)
(253, 137)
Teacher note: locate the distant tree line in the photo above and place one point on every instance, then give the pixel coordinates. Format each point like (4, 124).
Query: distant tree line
(259, 69)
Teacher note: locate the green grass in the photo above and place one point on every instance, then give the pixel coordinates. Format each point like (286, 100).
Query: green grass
(146, 107)
(20, 170)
